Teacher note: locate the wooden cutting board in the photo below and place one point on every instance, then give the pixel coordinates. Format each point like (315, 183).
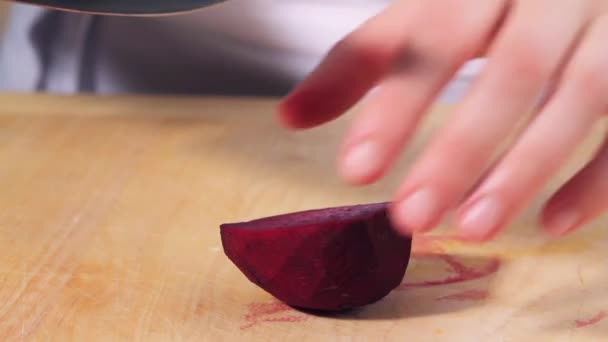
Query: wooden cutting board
(109, 215)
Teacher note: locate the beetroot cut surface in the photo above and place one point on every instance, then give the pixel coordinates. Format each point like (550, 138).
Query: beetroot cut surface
(326, 259)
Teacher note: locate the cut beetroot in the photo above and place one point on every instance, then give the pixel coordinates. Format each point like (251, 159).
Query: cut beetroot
(327, 259)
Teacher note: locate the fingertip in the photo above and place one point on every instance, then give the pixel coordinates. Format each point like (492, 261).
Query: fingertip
(362, 162)
(293, 108)
(286, 116)
(355, 177)
(398, 223)
(559, 220)
(473, 232)
(398, 226)
(417, 213)
(483, 217)
(308, 107)
(467, 237)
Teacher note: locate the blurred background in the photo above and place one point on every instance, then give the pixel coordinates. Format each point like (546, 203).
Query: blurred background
(3, 11)
(265, 54)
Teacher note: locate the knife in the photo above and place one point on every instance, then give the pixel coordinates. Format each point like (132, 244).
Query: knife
(125, 7)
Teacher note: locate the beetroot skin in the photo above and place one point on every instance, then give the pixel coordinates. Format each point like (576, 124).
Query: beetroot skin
(327, 259)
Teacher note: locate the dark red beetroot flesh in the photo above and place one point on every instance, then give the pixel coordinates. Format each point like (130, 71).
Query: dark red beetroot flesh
(327, 259)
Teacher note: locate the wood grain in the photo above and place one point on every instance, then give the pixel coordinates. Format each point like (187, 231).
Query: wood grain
(109, 214)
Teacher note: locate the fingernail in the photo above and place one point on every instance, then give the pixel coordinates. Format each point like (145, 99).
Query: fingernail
(418, 211)
(562, 222)
(361, 161)
(481, 218)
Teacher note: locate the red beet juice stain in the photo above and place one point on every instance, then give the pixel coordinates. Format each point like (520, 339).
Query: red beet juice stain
(429, 248)
(269, 312)
(468, 295)
(591, 321)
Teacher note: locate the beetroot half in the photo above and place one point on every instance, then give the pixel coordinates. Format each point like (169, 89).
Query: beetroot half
(327, 259)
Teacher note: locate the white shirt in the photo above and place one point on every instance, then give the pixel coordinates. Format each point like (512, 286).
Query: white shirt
(252, 47)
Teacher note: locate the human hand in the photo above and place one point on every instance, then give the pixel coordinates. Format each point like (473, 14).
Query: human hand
(411, 49)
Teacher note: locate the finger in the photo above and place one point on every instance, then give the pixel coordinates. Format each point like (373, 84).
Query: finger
(348, 71)
(525, 55)
(546, 144)
(390, 115)
(585, 196)
(537, 156)
(580, 200)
